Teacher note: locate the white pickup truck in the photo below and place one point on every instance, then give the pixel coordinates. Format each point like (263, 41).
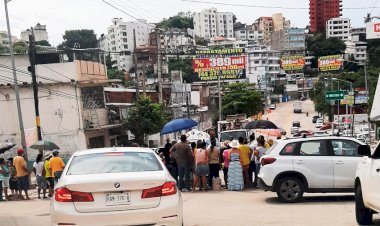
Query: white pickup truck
(367, 185)
(297, 107)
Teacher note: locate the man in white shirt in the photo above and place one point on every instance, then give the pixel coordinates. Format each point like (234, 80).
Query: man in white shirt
(252, 166)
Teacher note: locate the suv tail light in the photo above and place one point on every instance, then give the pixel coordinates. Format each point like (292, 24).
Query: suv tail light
(267, 160)
(168, 188)
(65, 195)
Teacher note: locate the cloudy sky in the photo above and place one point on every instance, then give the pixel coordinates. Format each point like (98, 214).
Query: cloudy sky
(61, 15)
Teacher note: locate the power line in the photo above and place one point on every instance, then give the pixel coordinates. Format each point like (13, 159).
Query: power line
(142, 21)
(141, 12)
(266, 7)
(55, 71)
(374, 5)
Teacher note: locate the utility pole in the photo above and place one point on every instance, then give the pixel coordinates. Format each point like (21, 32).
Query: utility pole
(143, 79)
(32, 70)
(135, 65)
(159, 65)
(220, 96)
(19, 112)
(367, 97)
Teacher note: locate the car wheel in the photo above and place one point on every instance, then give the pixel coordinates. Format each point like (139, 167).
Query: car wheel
(290, 189)
(363, 214)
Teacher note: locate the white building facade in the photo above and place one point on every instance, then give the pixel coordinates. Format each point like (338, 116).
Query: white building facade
(120, 38)
(177, 41)
(338, 28)
(71, 102)
(40, 33)
(262, 65)
(210, 23)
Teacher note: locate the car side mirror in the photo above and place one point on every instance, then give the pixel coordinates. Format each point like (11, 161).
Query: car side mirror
(364, 150)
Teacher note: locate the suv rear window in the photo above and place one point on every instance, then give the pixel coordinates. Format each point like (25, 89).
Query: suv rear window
(114, 162)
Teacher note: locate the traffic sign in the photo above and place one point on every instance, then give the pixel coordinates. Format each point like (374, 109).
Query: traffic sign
(334, 95)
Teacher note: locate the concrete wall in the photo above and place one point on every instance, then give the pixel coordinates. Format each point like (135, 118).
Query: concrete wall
(60, 120)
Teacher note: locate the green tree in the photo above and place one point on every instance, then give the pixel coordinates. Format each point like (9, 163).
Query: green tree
(3, 49)
(318, 96)
(373, 49)
(320, 46)
(200, 41)
(241, 98)
(84, 37)
(43, 43)
(185, 65)
(146, 118)
(19, 47)
(179, 21)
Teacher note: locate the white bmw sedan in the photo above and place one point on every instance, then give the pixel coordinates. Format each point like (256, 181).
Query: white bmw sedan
(116, 186)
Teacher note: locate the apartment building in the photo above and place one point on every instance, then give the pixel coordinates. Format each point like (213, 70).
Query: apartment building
(290, 39)
(246, 32)
(321, 11)
(263, 65)
(210, 23)
(338, 28)
(40, 33)
(121, 38)
(268, 25)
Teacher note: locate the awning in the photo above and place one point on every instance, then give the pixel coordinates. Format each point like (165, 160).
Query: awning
(375, 112)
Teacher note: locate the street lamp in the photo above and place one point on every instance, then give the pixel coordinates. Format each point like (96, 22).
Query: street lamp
(21, 123)
(366, 93)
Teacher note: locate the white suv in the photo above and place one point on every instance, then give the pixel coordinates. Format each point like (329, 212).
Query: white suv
(318, 164)
(367, 185)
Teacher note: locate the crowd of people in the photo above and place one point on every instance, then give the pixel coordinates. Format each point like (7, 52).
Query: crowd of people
(15, 175)
(197, 164)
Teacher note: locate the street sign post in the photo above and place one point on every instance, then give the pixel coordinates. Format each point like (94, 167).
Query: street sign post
(334, 95)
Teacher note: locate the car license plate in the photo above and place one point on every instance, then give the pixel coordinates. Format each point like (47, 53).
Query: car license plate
(114, 199)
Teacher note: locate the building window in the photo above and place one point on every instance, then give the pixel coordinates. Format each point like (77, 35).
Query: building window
(124, 33)
(125, 46)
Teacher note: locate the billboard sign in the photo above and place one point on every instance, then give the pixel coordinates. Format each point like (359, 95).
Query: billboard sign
(228, 63)
(291, 63)
(373, 30)
(330, 63)
(348, 99)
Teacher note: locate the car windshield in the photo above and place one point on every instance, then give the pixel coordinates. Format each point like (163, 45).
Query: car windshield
(113, 162)
(235, 134)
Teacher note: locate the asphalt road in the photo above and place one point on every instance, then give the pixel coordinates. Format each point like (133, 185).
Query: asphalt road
(225, 208)
(222, 208)
(283, 116)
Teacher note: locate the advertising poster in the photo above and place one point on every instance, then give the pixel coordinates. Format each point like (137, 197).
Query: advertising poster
(228, 63)
(292, 63)
(330, 63)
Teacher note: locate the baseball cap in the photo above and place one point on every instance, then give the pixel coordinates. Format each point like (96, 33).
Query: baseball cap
(20, 151)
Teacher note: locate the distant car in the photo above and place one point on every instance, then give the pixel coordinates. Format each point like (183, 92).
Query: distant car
(116, 186)
(320, 133)
(301, 133)
(319, 123)
(303, 98)
(294, 130)
(272, 106)
(296, 124)
(326, 126)
(367, 185)
(314, 120)
(347, 133)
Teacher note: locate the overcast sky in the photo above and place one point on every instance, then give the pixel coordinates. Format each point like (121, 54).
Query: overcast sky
(61, 15)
